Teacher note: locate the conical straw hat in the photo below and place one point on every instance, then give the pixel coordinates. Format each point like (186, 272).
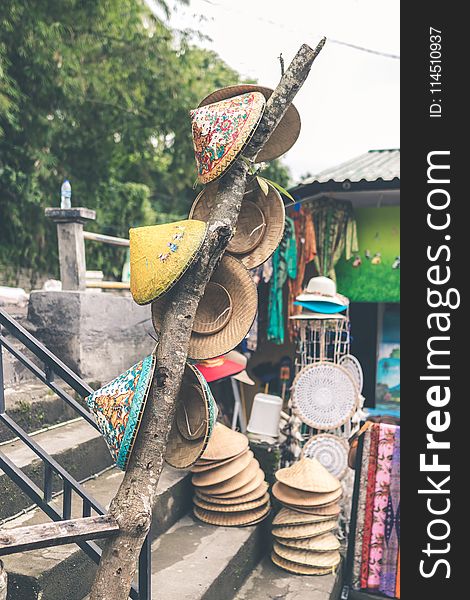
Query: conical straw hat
(256, 494)
(327, 542)
(118, 407)
(308, 557)
(252, 485)
(206, 465)
(285, 134)
(308, 475)
(194, 421)
(225, 313)
(234, 483)
(299, 532)
(298, 569)
(291, 496)
(225, 443)
(243, 506)
(286, 516)
(331, 510)
(160, 254)
(221, 130)
(222, 473)
(250, 225)
(245, 518)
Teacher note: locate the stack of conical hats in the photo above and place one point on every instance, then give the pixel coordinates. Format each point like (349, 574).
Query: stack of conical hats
(303, 530)
(230, 489)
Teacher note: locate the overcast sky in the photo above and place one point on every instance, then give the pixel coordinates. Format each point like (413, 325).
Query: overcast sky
(350, 102)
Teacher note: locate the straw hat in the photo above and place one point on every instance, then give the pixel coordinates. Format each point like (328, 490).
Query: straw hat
(160, 255)
(324, 395)
(329, 450)
(287, 516)
(239, 519)
(292, 496)
(241, 507)
(308, 475)
(299, 569)
(258, 493)
(224, 472)
(224, 443)
(201, 466)
(234, 483)
(118, 407)
(194, 421)
(322, 290)
(332, 509)
(308, 530)
(308, 557)
(260, 225)
(327, 542)
(249, 487)
(225, 313)
(220, 131)
(285, 134)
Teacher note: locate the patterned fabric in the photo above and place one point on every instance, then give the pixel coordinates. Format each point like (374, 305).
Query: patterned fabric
(361, 507)
(220, 131)
(397, 585)
(381, 496)
(369, 508)
(392, 525)
(118, 407)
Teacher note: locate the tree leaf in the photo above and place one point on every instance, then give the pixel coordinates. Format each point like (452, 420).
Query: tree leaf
(279, 188)
(263, 185)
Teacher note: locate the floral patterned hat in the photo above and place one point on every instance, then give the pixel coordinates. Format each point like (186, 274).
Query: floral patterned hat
(160, 255)
(118, 408)
(221, 130)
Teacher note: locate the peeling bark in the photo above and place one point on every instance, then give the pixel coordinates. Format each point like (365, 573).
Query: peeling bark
(132, 506)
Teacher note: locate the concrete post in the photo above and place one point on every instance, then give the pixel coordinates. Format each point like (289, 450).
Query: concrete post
(71, 244)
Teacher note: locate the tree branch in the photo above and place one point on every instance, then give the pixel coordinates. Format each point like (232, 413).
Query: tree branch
(132, 506)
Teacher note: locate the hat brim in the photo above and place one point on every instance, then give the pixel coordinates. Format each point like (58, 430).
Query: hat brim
(272, 207)
(235, 278)
(283, 137)
(227, 369)
(315, 316)
(321, 307)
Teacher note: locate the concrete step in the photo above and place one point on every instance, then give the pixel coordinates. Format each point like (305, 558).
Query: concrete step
(76, 446)
(65, 572)
(268, 582)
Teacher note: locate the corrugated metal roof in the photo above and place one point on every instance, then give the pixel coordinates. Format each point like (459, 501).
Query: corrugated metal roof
(370, 166)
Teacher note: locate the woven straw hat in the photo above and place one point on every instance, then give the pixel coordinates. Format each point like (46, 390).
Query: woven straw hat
(160, 255)
(327, 542)
(260, 225)
(249, 487)
(206, 465)
(308, 557)
(332, 509)
(118, 407)
(240, 507)
(308, 475)
(194, 421)
(220, 131)
(234, 483)
(285, 134)
(258, 493)
(287, 516)
(329, 450)
(298, 569)
(249, 517)
(299, 532)
(224, 472)
(225, 313)
(224, 443)
(324, 395)
(295, 497)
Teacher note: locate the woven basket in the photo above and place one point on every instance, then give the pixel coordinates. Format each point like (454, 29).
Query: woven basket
(214, 310)
(330, 450)
(324, 395)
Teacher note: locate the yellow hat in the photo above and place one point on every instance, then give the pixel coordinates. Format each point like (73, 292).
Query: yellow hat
(160, 254)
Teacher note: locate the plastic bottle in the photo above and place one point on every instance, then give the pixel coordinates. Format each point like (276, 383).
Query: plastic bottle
(66, 195)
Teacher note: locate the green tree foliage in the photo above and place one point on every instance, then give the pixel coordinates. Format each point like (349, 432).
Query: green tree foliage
(97, 91)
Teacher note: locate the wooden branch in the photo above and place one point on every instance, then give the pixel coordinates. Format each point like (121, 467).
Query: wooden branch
(56, 533)
(132, 506)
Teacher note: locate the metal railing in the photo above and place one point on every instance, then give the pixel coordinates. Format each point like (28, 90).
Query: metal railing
(42, 498)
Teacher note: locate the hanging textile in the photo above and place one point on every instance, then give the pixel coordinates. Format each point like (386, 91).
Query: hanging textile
(306, 251)
(284, 266)
(336, 233)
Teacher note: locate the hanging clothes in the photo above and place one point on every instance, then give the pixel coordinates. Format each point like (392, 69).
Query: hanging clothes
(306, 251)
(284, 267)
